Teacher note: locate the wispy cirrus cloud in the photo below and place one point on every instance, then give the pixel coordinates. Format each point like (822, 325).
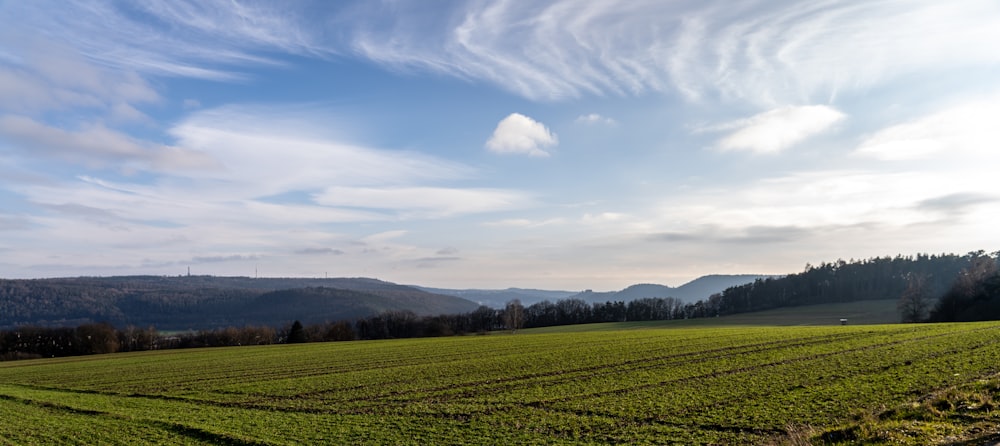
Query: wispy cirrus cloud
(778, 129)
(204, 39)
(96, 146)
(429, 202)
(13, 223)
(224, 258)
(766, 54)
(594, 118)
(320, 251)
(272, 150)
(43, 76)
(960, 131)
(957, 203)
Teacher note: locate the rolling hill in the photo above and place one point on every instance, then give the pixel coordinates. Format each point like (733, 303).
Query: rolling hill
(499, 298)
(199, 302)
(692, 291)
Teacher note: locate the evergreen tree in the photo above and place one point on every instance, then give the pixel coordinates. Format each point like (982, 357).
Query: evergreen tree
(297, 334)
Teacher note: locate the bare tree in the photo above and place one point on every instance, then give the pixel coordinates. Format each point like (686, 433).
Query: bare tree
(914, 302)
(973, 276)
(513, 315)
(97, 338)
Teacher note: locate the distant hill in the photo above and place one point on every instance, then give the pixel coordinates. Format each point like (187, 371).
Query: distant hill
(499, 298)
(198, 302)
(314, 305)
(692, 291)
(705, 286)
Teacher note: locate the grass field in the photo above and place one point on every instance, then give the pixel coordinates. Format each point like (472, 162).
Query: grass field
(912, 384)
(867, 312)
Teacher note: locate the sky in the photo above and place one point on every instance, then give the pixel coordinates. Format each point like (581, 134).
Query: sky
(565, 144)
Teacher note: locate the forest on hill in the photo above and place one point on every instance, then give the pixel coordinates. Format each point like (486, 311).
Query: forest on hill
(946, 287)
(207, 302)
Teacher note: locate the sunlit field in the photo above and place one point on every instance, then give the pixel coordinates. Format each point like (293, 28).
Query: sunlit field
(689, 385)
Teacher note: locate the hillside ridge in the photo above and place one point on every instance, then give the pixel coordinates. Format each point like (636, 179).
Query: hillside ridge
(696, 289)
(203, 302)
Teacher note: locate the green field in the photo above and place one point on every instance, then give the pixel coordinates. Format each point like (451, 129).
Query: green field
(673, 384)
(866, 312)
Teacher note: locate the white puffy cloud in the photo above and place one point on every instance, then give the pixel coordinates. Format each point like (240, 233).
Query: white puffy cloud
(519, 134)
(778, 129)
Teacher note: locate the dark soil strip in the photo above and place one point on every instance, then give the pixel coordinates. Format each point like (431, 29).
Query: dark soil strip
(179, 429)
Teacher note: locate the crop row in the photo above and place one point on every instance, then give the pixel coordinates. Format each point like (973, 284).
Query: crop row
(699, 385)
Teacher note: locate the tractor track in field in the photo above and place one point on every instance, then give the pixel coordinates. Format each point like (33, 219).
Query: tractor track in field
(569, 374)
(562, 376)
(617, 389)
(180, 429)
(400, 398)
(754, 367)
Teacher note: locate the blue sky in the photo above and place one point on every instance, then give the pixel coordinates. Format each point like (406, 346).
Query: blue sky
(560, 144)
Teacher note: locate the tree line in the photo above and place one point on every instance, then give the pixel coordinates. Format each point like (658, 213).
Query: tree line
(38, 342)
